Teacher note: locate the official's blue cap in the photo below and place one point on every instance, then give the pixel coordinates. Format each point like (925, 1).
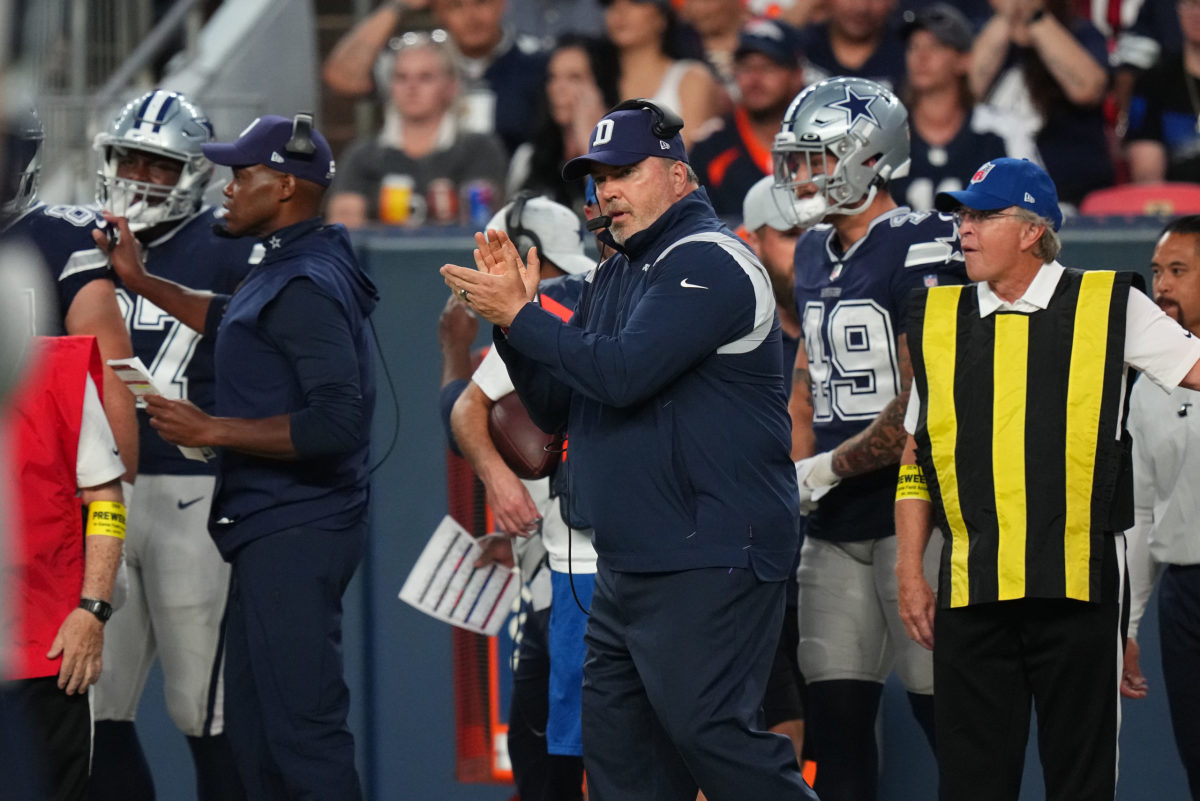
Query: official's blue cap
(1001, 183)
(267, 140)
(624, 137)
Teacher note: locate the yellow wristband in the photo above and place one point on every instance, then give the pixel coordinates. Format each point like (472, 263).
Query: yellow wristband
(911, 483)
(106, 518)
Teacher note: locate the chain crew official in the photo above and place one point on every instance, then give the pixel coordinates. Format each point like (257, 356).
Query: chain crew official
(1017, 429)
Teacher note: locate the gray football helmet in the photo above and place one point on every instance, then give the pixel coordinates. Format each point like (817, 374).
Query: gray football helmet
(166, 124)
(860, 123)
(23, 138)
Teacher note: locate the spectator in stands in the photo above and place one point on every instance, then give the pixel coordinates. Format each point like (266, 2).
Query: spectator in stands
(502, 72)
(660, 59)
(718, 22)
(857, 41)
(1154, 31)
(798, 12)
(387, 178)
(767, 66)
(581, 85)
(945, 145)
(350, 68)
(1048, 65)
(1138, 47)
(1163, 142)
(550, 19)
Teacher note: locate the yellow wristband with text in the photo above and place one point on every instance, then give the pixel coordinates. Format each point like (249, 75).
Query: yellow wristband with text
(106, 518)
(911, 483)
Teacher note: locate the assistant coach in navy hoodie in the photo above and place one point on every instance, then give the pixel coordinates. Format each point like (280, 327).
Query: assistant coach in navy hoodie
(294, 396)
(669, 381)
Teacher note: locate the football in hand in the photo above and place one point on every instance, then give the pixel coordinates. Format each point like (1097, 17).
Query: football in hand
(529, 451)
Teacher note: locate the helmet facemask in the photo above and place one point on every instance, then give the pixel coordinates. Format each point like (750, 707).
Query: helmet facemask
(163, 124)
(147, 204)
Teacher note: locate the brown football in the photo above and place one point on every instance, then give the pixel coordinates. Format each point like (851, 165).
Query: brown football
(529, 451)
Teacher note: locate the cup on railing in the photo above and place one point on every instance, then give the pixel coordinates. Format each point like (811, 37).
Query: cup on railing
(441, 197)
(399, 204)
(477, 201)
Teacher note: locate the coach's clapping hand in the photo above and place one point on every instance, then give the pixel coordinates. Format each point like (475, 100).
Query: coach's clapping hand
(501, 284)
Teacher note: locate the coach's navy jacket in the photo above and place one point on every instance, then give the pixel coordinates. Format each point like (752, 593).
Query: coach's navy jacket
(257, 496)
(669, 381)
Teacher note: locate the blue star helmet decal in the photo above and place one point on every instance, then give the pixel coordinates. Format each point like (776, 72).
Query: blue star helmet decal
(855, 106)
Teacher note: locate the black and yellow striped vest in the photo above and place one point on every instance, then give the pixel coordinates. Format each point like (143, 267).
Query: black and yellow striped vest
(1018, 438)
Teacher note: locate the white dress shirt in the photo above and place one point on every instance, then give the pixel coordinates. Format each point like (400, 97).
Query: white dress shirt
(1166, 472)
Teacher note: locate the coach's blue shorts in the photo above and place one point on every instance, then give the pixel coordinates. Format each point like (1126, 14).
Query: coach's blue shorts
(567, 626)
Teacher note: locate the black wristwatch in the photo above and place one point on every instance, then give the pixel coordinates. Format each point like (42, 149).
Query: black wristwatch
(101, 609)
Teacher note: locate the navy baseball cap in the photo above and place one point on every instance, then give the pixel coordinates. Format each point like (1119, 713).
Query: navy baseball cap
(265, 141)
(944, 21)
(775, 40)
(624, 137)
(1001, 183)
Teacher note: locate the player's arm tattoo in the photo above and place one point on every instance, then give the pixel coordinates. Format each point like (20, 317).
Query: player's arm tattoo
(800, 409)
(802, 383)
(881, 443)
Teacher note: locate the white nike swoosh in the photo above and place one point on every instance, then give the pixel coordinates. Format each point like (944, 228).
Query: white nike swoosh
(684, 283)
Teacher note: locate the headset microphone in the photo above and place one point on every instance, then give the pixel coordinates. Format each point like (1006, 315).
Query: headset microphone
(597, 223)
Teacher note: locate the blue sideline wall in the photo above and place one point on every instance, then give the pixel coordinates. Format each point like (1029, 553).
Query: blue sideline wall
(399, 662)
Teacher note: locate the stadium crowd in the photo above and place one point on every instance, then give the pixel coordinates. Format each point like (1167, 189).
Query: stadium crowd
(1100, 94)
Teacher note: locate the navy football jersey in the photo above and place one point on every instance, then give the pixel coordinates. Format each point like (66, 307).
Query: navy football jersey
(180, 359)
(62, 235)
(853, 307)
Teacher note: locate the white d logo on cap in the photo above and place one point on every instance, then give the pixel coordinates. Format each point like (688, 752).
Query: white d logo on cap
(604, 132)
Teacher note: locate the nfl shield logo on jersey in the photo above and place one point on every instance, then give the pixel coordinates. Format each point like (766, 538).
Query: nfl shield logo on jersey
(931, 280)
